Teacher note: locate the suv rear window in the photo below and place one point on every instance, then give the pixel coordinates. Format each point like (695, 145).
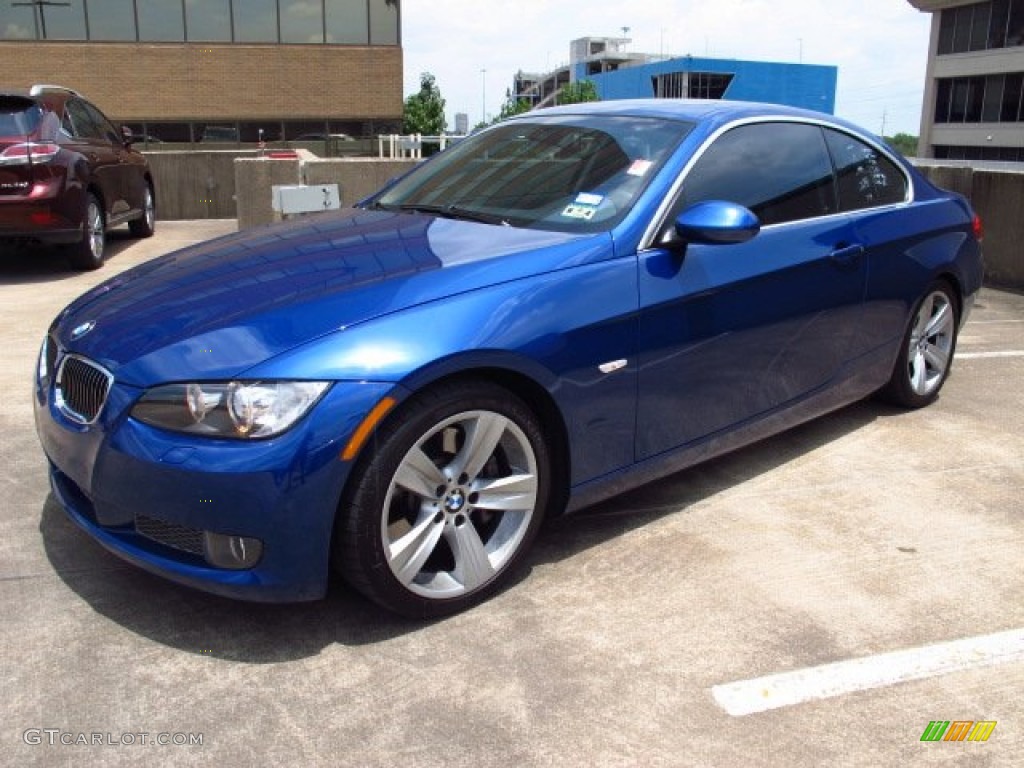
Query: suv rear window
(18, 116)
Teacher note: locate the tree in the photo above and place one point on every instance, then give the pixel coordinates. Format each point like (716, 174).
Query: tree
(512, 107)
(903, 143)
(577, 93)
(424, 110)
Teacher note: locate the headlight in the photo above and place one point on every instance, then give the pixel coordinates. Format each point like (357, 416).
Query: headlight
(42, 366)
(244, 409)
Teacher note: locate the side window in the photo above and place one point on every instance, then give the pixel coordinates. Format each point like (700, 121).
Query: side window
(867, 178)
(78, 121)
(104, 128)
(780, 171)
(65, 123)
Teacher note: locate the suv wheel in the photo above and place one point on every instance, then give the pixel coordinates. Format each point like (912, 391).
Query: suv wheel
(88, 253)
(145, 225)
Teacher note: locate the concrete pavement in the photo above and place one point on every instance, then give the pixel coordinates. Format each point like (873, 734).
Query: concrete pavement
(869, 531)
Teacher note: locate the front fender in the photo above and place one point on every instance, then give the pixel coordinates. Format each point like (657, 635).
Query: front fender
(557, 330)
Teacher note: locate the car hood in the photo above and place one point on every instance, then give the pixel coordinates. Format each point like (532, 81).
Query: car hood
(217, 309)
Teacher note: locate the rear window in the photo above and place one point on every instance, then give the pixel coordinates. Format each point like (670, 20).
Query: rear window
(18, 116)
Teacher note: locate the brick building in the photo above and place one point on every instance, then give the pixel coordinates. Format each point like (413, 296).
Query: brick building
(187, 71)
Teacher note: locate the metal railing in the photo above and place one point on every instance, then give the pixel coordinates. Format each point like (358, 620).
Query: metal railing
(394, 146)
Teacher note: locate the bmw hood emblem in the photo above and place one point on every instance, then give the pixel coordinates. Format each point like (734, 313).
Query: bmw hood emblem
(80, 330)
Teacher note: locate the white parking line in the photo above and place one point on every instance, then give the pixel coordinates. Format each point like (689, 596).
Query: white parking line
(747, 697)
(977, 355)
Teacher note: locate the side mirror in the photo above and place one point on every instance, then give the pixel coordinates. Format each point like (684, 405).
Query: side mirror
(127, 136)
(716, 222)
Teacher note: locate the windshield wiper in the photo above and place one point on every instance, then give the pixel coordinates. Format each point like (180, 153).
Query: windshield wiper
(454, 212)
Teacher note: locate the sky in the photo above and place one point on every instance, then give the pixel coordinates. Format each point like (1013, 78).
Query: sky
(879, 46)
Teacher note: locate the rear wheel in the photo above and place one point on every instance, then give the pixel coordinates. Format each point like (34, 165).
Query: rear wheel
(927, 353)
(145, 225)
(88, 252)
(445, 506)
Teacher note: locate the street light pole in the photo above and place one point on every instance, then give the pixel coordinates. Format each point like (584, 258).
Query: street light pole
(483, 96)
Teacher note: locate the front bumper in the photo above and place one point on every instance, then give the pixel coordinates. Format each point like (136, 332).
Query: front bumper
(148, 495)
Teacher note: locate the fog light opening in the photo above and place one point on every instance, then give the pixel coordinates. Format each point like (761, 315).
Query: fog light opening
(235, 552)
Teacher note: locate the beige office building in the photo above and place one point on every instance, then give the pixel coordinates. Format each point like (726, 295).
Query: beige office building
(974, 89)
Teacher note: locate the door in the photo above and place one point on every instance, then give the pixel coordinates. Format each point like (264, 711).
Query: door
(102, 148)
(730, 332)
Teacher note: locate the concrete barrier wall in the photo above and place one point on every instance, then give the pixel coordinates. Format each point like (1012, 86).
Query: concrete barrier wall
(998, 198)
(195, 184)
(227, 184)
(356, 178)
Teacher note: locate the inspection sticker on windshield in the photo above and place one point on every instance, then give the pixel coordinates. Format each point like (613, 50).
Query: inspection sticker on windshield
(639, 167)
(577, 211)
(583, 207)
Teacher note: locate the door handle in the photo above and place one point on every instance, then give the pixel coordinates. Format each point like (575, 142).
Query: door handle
(847, 255)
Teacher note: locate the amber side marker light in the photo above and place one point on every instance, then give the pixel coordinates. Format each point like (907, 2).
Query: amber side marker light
(366, 427)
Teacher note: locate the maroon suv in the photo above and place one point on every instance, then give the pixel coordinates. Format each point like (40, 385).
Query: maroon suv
(67, 175)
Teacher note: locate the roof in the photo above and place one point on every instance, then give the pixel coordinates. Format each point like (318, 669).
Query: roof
(692, 110)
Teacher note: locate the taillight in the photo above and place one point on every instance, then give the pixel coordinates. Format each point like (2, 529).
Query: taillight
(29, 152)
(979, 232)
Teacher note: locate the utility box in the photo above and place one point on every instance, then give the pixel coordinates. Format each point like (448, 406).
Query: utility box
(304, 198)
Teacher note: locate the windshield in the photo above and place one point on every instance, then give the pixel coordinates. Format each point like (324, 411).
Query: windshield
(571, 173)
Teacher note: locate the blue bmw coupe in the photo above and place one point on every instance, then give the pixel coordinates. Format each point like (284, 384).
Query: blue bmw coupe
(555, 310)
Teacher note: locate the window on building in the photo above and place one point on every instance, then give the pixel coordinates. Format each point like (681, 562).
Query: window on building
(942, 98)
(160, 20)
(964, 16)
(111, 20)
(347, 22)
(991, 99)
(302, 21)
(981, 26)
(975, 97)
(208, 21)
(168, 133)
(256, 21)
(63, 22)
(249, 131)
(18, 23)
(1015, 23)
(980, 20)
(1011, 111)
(691, 85)
(383, 22)
(997, 154)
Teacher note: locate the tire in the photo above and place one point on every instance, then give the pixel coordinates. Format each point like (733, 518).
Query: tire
(88, 252)
(439, 513)
(926, 355)
(145, 225)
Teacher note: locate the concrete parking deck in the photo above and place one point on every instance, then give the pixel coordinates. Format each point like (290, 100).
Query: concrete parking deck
(874, 555)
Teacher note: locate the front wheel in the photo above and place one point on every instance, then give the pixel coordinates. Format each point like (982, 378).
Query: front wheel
(927, 352)
(447, 503)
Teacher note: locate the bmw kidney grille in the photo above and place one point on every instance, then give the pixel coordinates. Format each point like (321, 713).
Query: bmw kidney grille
(81, 389)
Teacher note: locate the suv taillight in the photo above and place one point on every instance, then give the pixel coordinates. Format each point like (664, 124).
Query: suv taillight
(29, 152)
(979, 231)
